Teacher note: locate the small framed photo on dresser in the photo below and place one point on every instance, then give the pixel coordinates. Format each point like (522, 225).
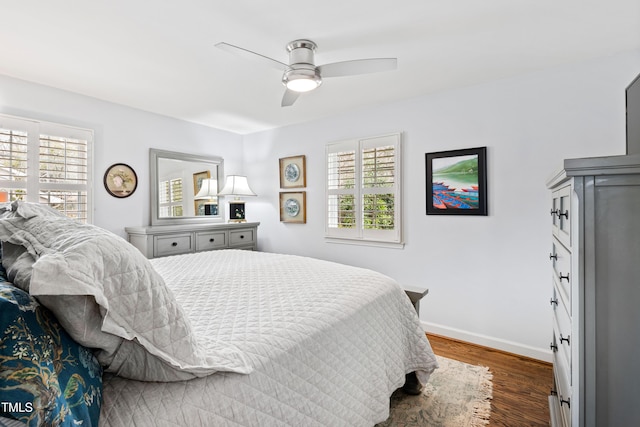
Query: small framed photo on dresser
(292, 172)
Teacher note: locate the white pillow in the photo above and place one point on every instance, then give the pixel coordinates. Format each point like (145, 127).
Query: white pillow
(108, 296)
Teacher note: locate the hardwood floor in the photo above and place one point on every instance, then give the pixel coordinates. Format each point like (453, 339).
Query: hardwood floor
(520, 385)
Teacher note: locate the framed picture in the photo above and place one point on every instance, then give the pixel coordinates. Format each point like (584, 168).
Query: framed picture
(293, 207)
(292, 172)
(120, 180)
(197, 180)
(457, 182)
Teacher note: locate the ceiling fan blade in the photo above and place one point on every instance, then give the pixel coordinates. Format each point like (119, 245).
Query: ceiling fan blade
(357, 66)
(281, 66)
(289, 98)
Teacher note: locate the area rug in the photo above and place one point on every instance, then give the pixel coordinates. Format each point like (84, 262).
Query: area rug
(457, 395)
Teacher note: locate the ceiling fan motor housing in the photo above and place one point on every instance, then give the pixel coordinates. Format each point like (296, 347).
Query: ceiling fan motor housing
(301, 65)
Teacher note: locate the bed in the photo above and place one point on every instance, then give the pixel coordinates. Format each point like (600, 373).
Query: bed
(239, 338)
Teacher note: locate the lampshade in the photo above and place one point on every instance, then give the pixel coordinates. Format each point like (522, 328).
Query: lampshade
(236, 185)
(208, 189)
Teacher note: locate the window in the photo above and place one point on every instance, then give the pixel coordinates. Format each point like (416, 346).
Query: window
(46, 163)
(170, 198)
(363, 189)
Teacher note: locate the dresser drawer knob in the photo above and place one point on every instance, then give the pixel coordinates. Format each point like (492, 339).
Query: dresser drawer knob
(242, 236)
(565, 402)
(563, 214)
(554, 301)
(554, 212)
(553, 257)
(562, 339)
(174, 244)
(553, 347)
(211, 240)
(564, 277)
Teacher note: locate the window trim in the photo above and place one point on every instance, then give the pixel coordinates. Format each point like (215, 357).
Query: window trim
(359, 235)
(35, 128)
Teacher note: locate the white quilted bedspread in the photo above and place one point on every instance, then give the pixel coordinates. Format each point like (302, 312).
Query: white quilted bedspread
(328, 344)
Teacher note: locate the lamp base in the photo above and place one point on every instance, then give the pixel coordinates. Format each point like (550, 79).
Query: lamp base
(211, 209)
(237, 211)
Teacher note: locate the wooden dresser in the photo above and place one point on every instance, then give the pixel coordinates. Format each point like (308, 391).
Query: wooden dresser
(595, 297)
(163, 240)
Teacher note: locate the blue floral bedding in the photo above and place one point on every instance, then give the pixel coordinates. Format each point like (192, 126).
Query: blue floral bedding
(46, 378)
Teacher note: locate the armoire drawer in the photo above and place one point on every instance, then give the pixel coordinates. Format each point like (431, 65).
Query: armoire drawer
(173, 244)
(561, 261)
(561, 215)
(562, 340)
(563, 396)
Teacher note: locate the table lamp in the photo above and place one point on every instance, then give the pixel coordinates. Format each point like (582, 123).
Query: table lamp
(237, 186)
(208, 191)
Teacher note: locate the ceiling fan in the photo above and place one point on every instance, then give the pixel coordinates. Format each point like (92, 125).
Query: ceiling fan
(302, 75)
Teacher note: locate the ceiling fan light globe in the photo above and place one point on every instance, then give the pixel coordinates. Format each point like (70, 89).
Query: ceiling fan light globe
(304, 84)
(301, 78)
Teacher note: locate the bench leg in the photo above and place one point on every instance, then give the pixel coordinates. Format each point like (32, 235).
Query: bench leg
(411, 384)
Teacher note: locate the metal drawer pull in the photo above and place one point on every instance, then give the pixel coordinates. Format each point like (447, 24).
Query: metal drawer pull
(564, 214)
(242, 236)
(174, 244)
(553, 392)
(554, 301)
(553, 347)
(212, 240)
(565, 339)
(553, 257)
(564, 277)
(568, 402)
(554, 212)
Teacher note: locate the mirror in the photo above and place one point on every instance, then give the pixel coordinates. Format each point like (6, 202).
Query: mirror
(176, 180)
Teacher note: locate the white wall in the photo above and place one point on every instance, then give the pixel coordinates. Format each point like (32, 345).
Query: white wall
(122, 135)
(489, 277)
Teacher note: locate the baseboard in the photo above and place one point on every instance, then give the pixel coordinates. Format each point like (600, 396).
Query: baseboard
(487, 341)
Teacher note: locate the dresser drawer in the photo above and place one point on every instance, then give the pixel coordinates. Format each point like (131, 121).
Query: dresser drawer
(211, 241)
(173, 244)
(562, 276)
(562, 337)
(561, 215)
(242, 237)
(563, 396)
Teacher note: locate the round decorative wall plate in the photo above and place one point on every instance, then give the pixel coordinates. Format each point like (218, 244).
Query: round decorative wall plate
(120, 180)
(292, 172)
(292, 207)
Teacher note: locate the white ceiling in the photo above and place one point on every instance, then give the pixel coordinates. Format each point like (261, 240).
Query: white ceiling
(160, 56)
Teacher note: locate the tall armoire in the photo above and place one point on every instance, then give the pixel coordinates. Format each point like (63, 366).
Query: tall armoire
(595, 259)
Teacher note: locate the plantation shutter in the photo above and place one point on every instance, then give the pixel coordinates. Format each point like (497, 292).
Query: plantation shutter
(170, 198)
(342, 211)
(46, 163)
(380, 190)
(363, 189)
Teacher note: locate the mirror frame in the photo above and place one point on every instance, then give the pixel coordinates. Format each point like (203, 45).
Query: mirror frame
(154, 156)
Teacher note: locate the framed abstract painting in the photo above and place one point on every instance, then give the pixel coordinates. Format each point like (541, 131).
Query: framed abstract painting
(457, 182)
